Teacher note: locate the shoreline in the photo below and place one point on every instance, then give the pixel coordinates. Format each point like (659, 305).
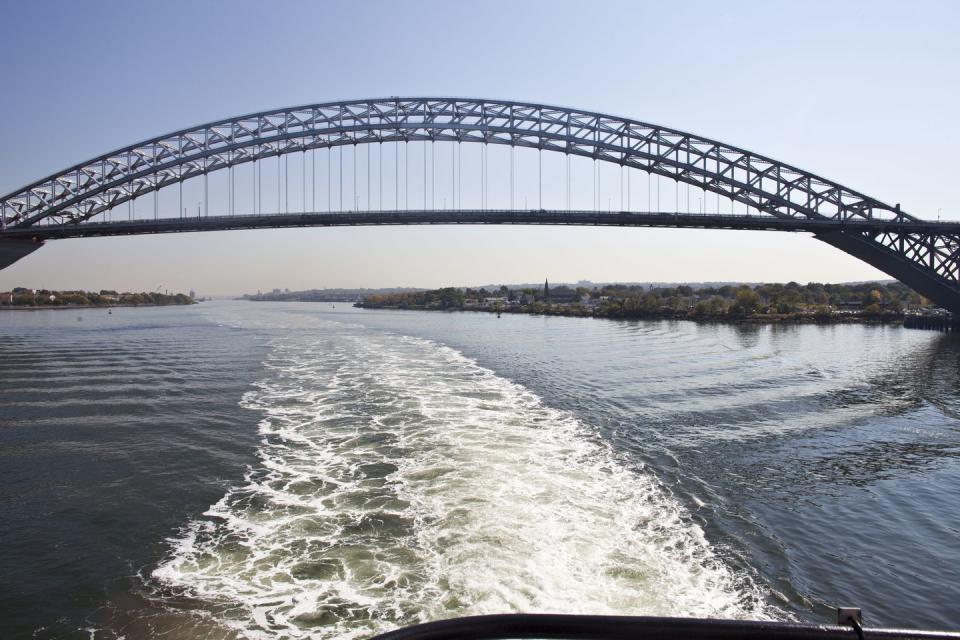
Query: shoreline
(750, 320)
(67, 307)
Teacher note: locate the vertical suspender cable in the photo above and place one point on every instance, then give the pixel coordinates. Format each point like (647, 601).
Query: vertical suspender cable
(313, 180)
(593, 175)
(156, 189)
(540, 160)
(482, 147)
(485, 175)
(340, 176)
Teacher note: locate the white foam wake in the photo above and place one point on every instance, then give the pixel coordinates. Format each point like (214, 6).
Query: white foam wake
(400, 482)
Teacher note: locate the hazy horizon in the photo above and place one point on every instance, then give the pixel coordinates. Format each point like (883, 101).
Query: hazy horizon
(487, 285)
(824, 89)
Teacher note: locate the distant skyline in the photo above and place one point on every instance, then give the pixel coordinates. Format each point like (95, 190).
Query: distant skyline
(859, 92)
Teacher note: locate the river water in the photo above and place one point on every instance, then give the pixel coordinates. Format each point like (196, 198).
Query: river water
(288, 470)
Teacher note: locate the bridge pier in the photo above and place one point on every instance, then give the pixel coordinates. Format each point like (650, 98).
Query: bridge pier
(12, 249)
(944, 323)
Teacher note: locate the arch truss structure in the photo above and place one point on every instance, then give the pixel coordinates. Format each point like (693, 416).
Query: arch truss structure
(925, 256)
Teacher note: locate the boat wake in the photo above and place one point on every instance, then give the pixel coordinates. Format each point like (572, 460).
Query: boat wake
(399, 482)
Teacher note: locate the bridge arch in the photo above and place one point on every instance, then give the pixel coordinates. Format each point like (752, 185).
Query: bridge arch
(927, 260)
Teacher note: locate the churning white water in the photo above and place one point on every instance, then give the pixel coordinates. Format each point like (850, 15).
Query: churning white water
(399, 481)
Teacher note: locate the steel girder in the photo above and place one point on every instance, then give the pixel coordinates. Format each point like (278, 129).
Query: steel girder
(85, 190)
(555, 217)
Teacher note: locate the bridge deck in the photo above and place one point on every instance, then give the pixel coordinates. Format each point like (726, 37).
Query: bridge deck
(474, 216)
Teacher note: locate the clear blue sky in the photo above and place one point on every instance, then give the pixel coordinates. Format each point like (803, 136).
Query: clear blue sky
(865, 93)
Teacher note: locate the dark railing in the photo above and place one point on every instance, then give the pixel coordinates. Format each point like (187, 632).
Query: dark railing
(573, 627)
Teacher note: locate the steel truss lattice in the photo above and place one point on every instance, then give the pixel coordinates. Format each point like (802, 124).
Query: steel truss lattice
(81, 192)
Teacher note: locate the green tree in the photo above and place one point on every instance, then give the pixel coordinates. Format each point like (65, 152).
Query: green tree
(745, 302)
(871, 297)
(450, 298)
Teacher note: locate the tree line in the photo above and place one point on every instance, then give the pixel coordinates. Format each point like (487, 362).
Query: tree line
(23, 297)
(816, 301)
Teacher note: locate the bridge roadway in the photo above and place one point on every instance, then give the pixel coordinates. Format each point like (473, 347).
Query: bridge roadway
(42, 232)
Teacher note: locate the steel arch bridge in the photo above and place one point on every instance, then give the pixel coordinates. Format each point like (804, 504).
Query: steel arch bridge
(924, 255)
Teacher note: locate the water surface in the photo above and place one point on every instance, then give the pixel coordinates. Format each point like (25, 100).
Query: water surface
(292, 470)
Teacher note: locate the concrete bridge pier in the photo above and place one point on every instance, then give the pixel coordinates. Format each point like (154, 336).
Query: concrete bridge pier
(12, 249)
